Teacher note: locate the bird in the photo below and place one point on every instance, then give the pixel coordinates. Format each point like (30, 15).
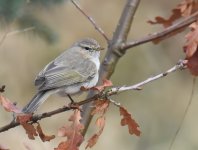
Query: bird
(76, 67)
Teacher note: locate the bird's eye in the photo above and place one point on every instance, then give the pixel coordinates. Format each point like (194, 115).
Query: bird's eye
(87, 48)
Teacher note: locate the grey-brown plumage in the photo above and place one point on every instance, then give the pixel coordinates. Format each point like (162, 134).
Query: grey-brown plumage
(76, 67)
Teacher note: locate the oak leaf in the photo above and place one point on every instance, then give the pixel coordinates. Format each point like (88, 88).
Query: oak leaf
(183, 9)
(100, 122)
(176, 14)
(106, 83)
(8, 105)
(131, 123)
(29, 128)
(191, 49)
(42, 136)
(100, 107)
(72, 132)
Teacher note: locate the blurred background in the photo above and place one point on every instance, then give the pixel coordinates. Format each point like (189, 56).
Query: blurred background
(53, 26)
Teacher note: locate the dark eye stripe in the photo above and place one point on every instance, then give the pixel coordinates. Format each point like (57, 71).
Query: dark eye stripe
(87, 48)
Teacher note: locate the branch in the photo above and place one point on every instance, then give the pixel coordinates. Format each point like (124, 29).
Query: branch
(102, 95)
(91, 20)
(164, 33)
(113, 54)
(180, 65)
(13, 33)
(38, 117)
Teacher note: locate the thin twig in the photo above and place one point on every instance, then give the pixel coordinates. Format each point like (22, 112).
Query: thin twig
(13, 33)
(99, 29)
(108, 93)
(20, 31)
(179, 65)
(166, 32)
(185, 113)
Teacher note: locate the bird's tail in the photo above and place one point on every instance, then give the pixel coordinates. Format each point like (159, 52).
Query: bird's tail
(36, 101)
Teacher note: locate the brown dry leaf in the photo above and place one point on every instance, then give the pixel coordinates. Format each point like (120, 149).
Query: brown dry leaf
(183, 9)
(106, 83)
(72, 132)
(29, 128)
(191, 49)
(191, 44)
(176, 14)
(64, 146)
(8, 105)
(100, 107)
(24, 118)
(127, 120)
(42, 135)
(100, 122)
(192, 64)
(188, 7)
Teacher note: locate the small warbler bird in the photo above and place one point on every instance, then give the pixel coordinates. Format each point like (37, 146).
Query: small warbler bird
(76, 67)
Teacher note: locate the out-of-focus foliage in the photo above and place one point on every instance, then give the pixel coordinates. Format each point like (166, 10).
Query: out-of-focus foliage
(22, 12)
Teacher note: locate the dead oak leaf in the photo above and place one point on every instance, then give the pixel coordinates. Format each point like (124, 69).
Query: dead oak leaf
(191, 44)
(183, 9)
(8, 105)
(63, 146)
(192, 64)
(100, 122)
(72, 132)
(31, 131)
(42, 136)
(100, 107)
(176, 14)
(188, 7)
(29, 128)
(131, 123)
(191, 49)
(106, 83)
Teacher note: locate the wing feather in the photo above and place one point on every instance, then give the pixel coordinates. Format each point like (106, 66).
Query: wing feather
(65, 70)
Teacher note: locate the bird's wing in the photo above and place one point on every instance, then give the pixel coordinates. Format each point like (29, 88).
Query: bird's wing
(67, 69)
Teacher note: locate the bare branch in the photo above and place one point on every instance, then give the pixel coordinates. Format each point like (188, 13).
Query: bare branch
(113, 54)
(20, 31)
(99, 29)
(35, 118)
(101, 95)
(179, 65)
(166, 32)
(125, 22)
(13, 33)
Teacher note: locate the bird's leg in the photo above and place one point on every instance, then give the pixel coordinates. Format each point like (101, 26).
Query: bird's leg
(73, 105)
(72, 101)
